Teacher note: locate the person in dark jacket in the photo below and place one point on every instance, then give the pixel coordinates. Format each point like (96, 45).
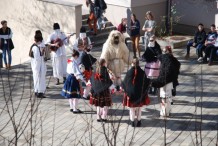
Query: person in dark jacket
(135, 34)
(6, 43)
(199, 40)
(152, 63)
(135, 85)
(122, 26)
(169, 71)
(87, 60)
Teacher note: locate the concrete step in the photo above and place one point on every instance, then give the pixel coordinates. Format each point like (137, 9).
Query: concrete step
(101, 36)
(106, 30)
(84, 21)
(85, 16)
(108, 24)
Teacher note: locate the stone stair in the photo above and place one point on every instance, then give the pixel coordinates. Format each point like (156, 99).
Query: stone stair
(101, 36)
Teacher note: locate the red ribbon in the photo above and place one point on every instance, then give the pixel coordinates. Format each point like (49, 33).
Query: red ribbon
(98, 76)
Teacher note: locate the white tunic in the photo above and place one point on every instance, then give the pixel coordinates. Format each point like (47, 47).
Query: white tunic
(59, 58)
(73, 68)
(39, 71)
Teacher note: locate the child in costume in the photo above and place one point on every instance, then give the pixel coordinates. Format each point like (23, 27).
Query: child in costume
(101, 97)
(72, 87)
(135, 85)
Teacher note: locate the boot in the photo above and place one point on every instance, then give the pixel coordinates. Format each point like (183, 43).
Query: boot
(57, 81)
(132, 123)
(6, 66)
(187, 56)
(139, 124)
(64, 79)
(41, 95)
(9, 66)
(36, 94)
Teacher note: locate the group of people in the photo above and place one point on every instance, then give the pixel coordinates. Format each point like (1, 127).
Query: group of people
(96, 18)
(96, 83)
(206, 44)
(134, 30)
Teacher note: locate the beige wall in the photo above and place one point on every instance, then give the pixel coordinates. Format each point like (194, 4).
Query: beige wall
(26, 16)
(138, 7)
(158, 10)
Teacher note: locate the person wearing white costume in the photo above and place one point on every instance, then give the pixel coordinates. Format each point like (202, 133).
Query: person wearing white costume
(166, 98)
(81, 41)
(38, 67)
(59, 58)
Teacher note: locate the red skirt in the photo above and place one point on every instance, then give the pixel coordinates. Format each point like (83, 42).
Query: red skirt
(128, 103)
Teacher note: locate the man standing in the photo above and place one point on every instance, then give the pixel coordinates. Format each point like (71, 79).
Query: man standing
(38, 67)
(6, 43)
(59, 59)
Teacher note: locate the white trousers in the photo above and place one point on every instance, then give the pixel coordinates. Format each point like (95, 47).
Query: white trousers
(73, 103)
(135, 112)
(87, 90)
(102, 112)
(165, 106)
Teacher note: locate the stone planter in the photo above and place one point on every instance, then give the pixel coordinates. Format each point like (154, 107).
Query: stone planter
(174, 41)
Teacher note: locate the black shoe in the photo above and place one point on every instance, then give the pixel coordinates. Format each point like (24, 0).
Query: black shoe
(171, 103)
(133, 124)
(64, 79)
(41, 95)
(86, 98)
(77, 112)
(139, 124)
(99, 120)
(71, 110)
(104, 120)
(36, 94)
(57, 82)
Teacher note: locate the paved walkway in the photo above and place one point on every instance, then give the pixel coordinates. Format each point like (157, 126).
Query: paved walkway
(46, 122)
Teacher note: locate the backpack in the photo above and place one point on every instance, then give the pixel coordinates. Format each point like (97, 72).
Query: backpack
(31, 52)
(103, 5)
(97, 12)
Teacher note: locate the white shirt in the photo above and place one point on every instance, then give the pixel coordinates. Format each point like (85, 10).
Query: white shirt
(61, 50)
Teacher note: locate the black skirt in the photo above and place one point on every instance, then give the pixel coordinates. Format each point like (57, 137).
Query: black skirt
(101, 99)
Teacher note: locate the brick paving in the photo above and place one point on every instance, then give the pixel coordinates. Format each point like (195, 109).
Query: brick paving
(52, 123)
